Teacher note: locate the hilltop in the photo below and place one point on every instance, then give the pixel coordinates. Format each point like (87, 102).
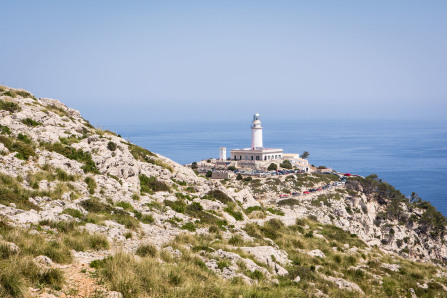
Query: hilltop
(83, 212)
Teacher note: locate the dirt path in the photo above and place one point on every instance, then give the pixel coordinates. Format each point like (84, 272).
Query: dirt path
(80, 281)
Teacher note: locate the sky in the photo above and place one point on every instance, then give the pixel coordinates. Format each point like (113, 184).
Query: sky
(134, 62)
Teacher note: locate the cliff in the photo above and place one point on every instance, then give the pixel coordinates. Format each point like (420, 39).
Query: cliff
(84, 212)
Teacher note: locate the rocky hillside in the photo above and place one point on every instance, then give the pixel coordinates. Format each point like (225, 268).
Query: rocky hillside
(83, 212)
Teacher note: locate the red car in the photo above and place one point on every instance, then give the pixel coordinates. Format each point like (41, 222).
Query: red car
(284, 196)
(348, 175)
(318, 189)
(306, 192)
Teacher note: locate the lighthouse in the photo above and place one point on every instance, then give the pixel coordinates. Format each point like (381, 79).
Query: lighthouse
(247, 157)
(256, 132)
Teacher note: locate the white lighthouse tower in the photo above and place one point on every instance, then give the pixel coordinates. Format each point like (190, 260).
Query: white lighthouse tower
(256, 132)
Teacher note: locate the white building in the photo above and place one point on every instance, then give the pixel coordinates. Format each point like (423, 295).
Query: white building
(257, 152)
(223, 153)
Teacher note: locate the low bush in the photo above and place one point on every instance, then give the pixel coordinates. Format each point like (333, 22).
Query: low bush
(218, 195)
(74, 154)
(5, 130)
(236, 214)
(95, 205)
(24, 151)
(30, 122)
(147, 219)
(189, 226)
(177, 206)
(111, 146)
(253, 208)
(125, 205)
(91, 184)
(152, 184)
(9, 106)
(145, 250)
(288, 202)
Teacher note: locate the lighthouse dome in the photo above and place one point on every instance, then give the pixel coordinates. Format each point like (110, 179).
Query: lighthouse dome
(256, 116)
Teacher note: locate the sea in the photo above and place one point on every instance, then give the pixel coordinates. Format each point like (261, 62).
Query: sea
(410, 155)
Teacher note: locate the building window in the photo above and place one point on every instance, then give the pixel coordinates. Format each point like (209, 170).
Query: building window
(265, 157)
(257, 157)
(252, 157)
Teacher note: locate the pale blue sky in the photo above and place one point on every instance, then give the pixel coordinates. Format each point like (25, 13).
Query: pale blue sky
(138, 61)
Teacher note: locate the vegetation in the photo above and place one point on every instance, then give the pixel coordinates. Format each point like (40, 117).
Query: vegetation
(286, 164)
(145, 155)
(24, 151)
(74, 154)
(91, 184)
(12, 191)
(31, 122)
(17, 269)
(111, 146)
(218, 195)
(5, 130)
(431, 222)
(305, 155)
(152, 184)
(272, 167)
(9, 106)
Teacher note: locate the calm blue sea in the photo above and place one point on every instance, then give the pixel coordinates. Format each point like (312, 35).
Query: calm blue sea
(411, 155)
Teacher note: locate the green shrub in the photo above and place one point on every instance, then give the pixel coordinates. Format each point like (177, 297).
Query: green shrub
(95, 205)
(236, 214)
(272, 167)
(145, 250)
(253, 208)
(286, 165)
(288, 202)
(189, 226)
(5, 130)
(74, 154)
(111, 146)
(147, 219)
(91, 184)
(135, 197)
(24, 138)
(126, 220)
(30, 122)
(151, 184)
(256, 274)
(125, 205)
(70, 140)
(236, 240)
(61, 175)
(275, 211)
(98, 242)
(145, 155)
(13, 192)
(218, 195)
(177, 206)
(9, 106)
(24, 151)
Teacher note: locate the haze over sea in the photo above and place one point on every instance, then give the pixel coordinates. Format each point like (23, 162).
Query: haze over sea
(410, 155)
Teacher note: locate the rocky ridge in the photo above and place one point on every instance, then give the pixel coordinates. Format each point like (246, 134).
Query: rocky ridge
(61, 177)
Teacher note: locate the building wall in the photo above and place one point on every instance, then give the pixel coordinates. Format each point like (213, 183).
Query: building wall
(220, 175)
(235, 155)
